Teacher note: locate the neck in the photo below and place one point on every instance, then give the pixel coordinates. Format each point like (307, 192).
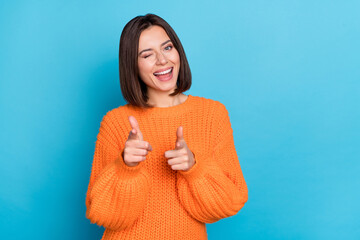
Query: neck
(163, 99)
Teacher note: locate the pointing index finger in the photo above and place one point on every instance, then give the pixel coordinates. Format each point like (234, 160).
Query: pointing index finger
(135, 125)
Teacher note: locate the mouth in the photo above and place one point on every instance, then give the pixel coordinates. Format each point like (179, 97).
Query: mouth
(164, 75)
(167, 71)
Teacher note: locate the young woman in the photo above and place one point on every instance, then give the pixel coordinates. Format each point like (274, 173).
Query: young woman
(165, 163)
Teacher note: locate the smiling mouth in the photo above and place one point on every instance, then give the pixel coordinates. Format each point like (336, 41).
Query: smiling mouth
(163, 72)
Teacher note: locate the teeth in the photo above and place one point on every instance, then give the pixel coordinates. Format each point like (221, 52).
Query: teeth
(164, 72)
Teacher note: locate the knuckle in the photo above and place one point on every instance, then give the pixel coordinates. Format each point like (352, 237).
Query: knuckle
(128, 143)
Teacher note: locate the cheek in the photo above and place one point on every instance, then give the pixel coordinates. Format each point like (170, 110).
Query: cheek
(144, 68)
(176, 58)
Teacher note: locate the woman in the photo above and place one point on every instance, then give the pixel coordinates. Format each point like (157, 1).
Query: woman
(165, 163)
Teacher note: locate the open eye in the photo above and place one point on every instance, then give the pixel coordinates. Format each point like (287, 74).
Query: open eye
(168, 47)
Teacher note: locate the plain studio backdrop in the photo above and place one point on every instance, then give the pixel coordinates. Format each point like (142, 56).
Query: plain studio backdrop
(287, 71)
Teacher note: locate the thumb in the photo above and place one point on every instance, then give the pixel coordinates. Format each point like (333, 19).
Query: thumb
(180, 141)
(133, 135)
(135, 132)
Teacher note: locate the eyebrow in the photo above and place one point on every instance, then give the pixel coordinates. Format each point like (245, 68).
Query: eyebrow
(148, 49)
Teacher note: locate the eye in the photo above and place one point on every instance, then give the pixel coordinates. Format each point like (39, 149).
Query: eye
(147, 56)
(168, 47)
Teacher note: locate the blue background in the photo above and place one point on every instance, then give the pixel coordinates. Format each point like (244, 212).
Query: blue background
(287, 71)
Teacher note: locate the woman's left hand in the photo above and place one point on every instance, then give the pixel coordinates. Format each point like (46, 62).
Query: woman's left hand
(181, 158)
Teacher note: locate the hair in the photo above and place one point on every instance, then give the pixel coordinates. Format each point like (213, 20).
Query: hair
(133, 89)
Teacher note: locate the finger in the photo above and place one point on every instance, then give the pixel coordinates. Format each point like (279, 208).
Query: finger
(135, 125)
(178, 160)
(175, 153)
(139, 144)
(182, 166)
(180, 133)
(179, 145)
(134, 159)
(136, 151)
(133, 135)
(179, 138)
(133, 122)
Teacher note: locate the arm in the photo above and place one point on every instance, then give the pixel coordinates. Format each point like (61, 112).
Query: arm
(117, 193)
(214, 188)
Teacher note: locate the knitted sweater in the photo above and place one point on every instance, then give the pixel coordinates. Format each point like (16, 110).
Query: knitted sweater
(152, 201)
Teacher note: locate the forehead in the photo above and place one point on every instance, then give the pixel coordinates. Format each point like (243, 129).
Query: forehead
(152, 37)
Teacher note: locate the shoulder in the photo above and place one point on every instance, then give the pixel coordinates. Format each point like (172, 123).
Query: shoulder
(211, 105)
(220, 116)
(114, 126)
(115, 117)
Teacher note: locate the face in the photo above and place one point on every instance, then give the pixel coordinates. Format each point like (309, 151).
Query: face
(158, 60)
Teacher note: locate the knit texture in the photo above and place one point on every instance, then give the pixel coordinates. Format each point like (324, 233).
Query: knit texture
(152, 201)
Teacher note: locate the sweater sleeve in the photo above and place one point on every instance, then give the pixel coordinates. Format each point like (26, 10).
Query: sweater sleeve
(214, 188)
(117, 193)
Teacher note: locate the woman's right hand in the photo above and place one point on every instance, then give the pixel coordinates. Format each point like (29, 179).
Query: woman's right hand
(136, 148)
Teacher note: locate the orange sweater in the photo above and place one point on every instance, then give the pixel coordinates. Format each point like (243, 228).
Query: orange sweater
(152, 201)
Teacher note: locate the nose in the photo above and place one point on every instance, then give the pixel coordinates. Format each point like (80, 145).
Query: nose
(161, 59)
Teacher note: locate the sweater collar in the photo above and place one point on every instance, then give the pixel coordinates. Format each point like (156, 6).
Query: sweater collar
(167, 111)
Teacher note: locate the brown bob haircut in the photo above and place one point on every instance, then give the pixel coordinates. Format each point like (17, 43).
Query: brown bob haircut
(133, 89)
